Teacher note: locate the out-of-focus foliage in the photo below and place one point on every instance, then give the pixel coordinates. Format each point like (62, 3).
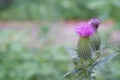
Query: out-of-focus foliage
(47, 9)
(112, 70)
(59, 9)
(107, 9)
(20, 61)
(5, 4)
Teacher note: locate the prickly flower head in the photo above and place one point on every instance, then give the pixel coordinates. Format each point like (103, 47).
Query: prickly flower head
(84, 29)
(95, 22)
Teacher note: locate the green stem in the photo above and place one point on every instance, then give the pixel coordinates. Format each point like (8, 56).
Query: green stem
(85, 75)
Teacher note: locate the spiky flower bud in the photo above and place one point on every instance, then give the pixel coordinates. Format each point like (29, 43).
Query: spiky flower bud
(95, 39)
(84, 49)
(95, 22)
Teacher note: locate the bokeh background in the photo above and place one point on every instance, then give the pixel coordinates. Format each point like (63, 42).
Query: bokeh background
(33, 34)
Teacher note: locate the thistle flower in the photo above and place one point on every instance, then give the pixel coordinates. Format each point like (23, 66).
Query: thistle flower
(84, 29)
(84, 49)
(89, 43)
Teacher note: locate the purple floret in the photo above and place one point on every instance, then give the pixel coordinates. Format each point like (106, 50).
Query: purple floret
(85, 29)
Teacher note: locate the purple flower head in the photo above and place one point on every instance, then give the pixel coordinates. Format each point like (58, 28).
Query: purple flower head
(84, 29)
(95, 22)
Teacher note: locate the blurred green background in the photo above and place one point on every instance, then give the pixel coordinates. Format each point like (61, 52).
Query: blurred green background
(58, 9)
(33, 33)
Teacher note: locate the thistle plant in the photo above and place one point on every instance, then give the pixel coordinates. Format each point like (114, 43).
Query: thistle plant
(87, 56)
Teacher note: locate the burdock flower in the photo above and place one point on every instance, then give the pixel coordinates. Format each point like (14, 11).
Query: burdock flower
(84, 29)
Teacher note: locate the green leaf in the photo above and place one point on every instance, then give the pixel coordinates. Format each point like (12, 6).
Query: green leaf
(71, 73)
(102, 62)
(71, 52)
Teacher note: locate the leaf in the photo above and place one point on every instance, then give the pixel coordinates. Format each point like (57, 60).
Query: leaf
(114, 48)
(108, 58)
(71, 52)
(90, 69)
(101, 63)
(70, 73)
